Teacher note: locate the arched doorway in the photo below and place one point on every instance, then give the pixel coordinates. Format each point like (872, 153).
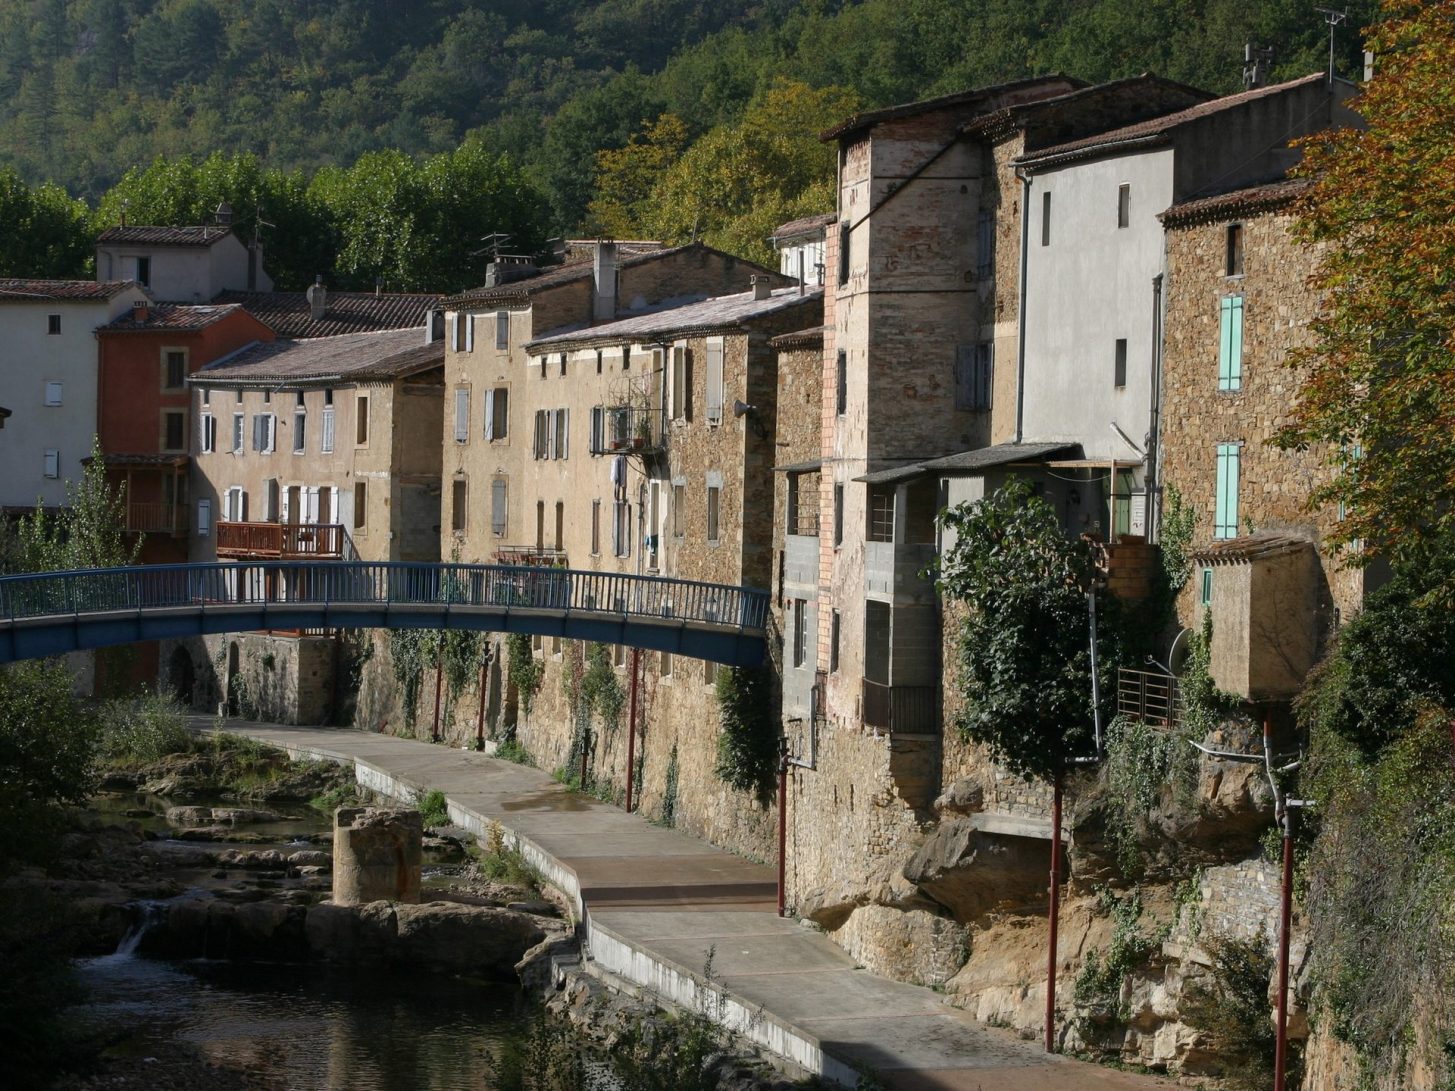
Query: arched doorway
(181, 676)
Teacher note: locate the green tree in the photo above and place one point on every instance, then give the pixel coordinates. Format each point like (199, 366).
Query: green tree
(87, 532)
(47, 234)
(1018, 587)
(1376, 396)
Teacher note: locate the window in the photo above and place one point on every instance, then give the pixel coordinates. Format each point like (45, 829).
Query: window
(838, 515)
(621, 529)
(841, 382)
(844, 234)
(1119, 368)
(1225, 510)
(800, 632)
(300, 431)
(265, 427)
(881, 514)
(457, 333)
(1046, 219)
(458, 497)
(272, 501)
(144, 271)
(679, 509)
(361, 504)
(598, 429)
(1230, 343)
(538, 446)
(237, 433)
(361, 420)
(325, 440)
(52, 394)
(1124, 205)
(560, 526)
(299, 400)
(561, 434)
(469, 332)
(714, 380)
(714, 502)
(834, 642)
(174, 430)
(974, 373)
(596, 528)
(174, 369)
(207, 434)
(206, 396)
(497, 507)
(540, 525)
(1234, 262)
(680, 388)
(502, 330)
(561, 365)
(462, 414)
(666, 668)
(52, 323)
(985, 243)
(1205, 596)
(204, 518)
(52, 464)
(267, 397)
(497, 413)
(235, 505)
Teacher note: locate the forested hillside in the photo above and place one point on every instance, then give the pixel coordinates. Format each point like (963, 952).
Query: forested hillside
(92, 88)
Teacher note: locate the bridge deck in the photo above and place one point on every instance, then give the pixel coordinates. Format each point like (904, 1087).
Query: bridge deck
(55, 612)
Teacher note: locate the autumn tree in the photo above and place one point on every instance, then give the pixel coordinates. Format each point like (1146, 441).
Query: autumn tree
(1378, 389)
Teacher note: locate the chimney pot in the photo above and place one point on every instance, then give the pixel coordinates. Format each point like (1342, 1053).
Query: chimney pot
(318, 299)
(762, 287)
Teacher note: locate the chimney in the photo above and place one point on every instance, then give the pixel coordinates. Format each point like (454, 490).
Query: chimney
(762, 287)
(603, 301)
(139, 311)
(434, 326)
(318, 299)
(222, 215)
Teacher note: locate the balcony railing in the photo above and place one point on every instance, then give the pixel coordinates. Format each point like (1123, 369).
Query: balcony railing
(550, 558)
(804, 521)
(626, 428)
(1150, 697)
(321, 540)
(912, 709)
(156, 518)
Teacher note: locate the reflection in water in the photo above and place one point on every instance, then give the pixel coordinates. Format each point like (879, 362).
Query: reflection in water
(309, 1027)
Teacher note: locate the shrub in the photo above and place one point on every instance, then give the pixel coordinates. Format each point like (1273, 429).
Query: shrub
(142, 730)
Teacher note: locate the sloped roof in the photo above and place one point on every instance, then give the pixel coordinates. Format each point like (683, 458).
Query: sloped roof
(799, 338)
(1158, 130)
(864, 120)
(804, 225)
(288, 314)
(1250, 548)
(718, 313)
(1085, 111)
(1242, 202)
(64, 291)
(143, 235)
(353, 357)
(968, 462)
(171, 316)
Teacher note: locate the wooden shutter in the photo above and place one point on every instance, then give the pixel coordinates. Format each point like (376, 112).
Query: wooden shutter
(1230, 343)
(1225, 511)
(462, 414)
(489, 414)
(714, 380)
(204, 518)
(469, 332)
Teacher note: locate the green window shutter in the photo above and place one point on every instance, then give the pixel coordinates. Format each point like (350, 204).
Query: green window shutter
(1225, 517)
(1235, 347)
(1225, 341)
(1207, 578)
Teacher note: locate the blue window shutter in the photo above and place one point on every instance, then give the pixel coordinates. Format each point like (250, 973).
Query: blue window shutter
(1225, 343)
(1225, 517)
(1235, 347)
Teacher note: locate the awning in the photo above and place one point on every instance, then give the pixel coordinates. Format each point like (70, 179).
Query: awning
(972, 462)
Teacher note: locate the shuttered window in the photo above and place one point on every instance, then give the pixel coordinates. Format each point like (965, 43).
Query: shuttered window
(681, 385)
(974, 371)
(1225, 510)
(497, 412)
(325, 443)
(204, 518)
(562, 434)
(264, 431)
(714, 380)
(1230, 343)
(598, 429)
(502, 329)
(462, 414)
(207, 433)
(469, 320)
(497, 507)
(841, 382)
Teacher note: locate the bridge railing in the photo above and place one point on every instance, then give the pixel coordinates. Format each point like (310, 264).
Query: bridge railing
(324, 583)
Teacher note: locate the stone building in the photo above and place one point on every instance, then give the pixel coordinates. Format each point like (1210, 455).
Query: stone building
(182, 264)
(1238, 301)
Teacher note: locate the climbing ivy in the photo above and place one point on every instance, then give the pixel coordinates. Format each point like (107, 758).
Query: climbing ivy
(747, 748)
(411, 651)
(600, 688)
(669, 791)
(1141, 761)
(1099, 1000)
(1178, 521)
(526, 671)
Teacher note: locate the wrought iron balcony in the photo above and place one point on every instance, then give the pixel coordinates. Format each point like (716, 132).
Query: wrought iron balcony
(1149, 696)
(628, 428)
(911, 709)
(325, 541)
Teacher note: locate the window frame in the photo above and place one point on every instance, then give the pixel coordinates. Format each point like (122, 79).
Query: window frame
(55, 401)
(169, 416)
(1230, 342)
(502, 331)
(361, 420)
(1124, 205)
(1119, 364)
(169, 354)
(1227, 483)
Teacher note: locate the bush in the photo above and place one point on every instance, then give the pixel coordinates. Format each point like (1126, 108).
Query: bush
(747, 748)
(144, 729)
(1230, 1006)
(434, 808)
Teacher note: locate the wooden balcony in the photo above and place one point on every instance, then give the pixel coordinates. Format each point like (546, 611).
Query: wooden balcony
(911, 709)
(318, 541)
(156, 518)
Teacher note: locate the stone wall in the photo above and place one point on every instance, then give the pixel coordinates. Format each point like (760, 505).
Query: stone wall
(264, 676)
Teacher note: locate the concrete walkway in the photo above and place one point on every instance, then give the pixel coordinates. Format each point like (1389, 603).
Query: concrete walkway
(656, 904)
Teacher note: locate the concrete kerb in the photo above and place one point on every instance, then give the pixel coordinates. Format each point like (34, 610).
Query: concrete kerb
(619, 958)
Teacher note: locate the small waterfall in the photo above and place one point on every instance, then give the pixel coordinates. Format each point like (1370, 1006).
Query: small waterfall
(149, 914)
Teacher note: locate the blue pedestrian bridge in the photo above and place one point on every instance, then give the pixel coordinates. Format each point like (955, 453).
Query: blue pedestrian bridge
(49, 613)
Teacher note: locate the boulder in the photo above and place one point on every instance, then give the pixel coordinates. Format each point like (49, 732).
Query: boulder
(972, 873)
(965, 796)
(358, 935)
(469, 939)
(310, 858)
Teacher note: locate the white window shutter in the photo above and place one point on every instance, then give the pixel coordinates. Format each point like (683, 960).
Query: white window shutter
(714, 380)
(326, 439)
(490, 414)
(310, 505)
(462, 414)
(286, 506)
(563, 440)
(333, 504)
(550, 434)
(469, 320)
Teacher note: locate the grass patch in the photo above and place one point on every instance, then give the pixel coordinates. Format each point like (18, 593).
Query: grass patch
(503, 863)
(433, 808)
(602, 790)
(512, 750)
(341, 795)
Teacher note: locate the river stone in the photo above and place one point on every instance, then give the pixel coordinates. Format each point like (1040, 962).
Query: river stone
(465, 938)
(376, 855)
(311, 859)
(356, 934)
(971, 872)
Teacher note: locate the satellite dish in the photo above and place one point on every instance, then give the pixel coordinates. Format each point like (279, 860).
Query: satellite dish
(742, 408)
(1177, 654)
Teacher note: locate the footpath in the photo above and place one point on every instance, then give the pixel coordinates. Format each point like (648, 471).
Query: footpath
(656, 905)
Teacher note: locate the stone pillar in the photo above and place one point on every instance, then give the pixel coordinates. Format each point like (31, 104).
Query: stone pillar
(376, 856)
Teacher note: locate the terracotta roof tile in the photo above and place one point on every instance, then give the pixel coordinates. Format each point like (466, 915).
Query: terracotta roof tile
(1158, 129)
(288, 314)
(1241, 202)
(165, 236)
(799, 338)
(520, 291)
(719, 313)
(172, 316)
(804, 225)
(353, 357)
(63, 291)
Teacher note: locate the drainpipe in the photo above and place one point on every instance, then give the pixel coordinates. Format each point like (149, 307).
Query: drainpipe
(1020, 363)
(480, 712)
(439, 678)
(631, 733)
(782, 822)
(1053, 914)
(1152, 478)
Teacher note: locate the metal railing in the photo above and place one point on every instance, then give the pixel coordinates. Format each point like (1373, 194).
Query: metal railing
(531, 555)
(914, 709)
(157, 517)
(281, 539)
(380, 583)
(628, 428)
(1149, 696)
